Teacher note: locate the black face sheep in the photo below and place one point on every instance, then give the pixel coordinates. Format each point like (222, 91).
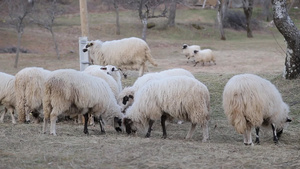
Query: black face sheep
(67, 88)
(128, 53)
(29, 85)
(188, 50)
(7, 95)
(179, 97)
(251, 101)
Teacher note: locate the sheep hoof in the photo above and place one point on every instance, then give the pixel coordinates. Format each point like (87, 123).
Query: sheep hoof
(257, 141)
(248, 144)
(118, 129)
(147, 135)
(164, 136)
(27, 122)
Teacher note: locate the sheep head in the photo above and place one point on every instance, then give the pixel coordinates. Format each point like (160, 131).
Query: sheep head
(129, 127)
(184, 46)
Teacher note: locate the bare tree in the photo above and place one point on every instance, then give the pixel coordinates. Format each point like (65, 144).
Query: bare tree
(291, 34)
(44, 15)
(172, 13)
(222, 10)
(18, 11)
(248, 7)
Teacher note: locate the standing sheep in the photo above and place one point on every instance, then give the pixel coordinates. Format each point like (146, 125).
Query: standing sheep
(251, 101)
(126, 97)
(29, 92)
(67, 88)
(7, 95)
(188, 51)
(205, 55)
(115, 73)
(180, 97)
(128, 53)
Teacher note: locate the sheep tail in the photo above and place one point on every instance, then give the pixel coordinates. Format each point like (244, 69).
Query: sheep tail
(150, 58)
(47, 102)
(20, 99)
(238, 120)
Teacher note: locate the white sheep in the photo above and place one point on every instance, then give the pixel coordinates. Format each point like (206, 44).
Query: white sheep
(7, 95)
(29, 92)
(251, 101)
(205, 55)
(126, 96)
(67, 88)
(179, 97)
(188, 50)
(128, 53)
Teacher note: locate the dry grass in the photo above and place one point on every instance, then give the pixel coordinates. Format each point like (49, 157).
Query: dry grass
(23, 145)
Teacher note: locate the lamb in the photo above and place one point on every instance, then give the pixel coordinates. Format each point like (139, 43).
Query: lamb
(251, 101)
(205, 55)
(7, 95)
(126, 96)
(128, 53)
(188, 51)
(179, 97)
(70, 89)
(29, 90)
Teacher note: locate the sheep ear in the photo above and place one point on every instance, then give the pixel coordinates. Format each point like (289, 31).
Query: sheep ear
(130, 96)
(288, 120)
(103, 68)
(91, 44)
(196, 51)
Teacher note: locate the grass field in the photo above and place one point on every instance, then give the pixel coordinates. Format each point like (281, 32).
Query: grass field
(24, 146)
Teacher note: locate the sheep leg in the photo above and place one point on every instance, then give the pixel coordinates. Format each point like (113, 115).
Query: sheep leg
(247, 136)
(53, 118)
(27, 115)
(2, 116)
(45, 124)
(257, 135)
(196, 62)
(142, 69)
(205, 132)
(275, 138)
(86, 118)
(149, 128)
(163, 125)
(191, 131)
(13, 120)
(101, 127)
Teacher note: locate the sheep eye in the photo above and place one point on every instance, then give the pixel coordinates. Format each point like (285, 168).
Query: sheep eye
(113, 69)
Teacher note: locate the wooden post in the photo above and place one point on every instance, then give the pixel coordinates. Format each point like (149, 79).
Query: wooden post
(84, 18)
(83, 56)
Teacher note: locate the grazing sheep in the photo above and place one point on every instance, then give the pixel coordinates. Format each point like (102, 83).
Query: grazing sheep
(251, 101)
(70, 89)
(188, 51)
(29, 92)
(128, 53)
(7, 95)
(205, 55)
(126, 96)
(179, 97)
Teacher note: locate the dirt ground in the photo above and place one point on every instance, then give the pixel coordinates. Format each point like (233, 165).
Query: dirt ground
(24, 146)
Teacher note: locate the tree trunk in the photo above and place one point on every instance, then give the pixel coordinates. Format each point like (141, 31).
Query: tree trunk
(118, 32)
(171, 20)
(220, 20)
(55, 44)
(203, 5)
(291, 34)
(18, 48)
(144, 33)
(248, 6)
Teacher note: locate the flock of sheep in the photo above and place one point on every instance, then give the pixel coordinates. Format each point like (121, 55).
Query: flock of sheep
(248, 100)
